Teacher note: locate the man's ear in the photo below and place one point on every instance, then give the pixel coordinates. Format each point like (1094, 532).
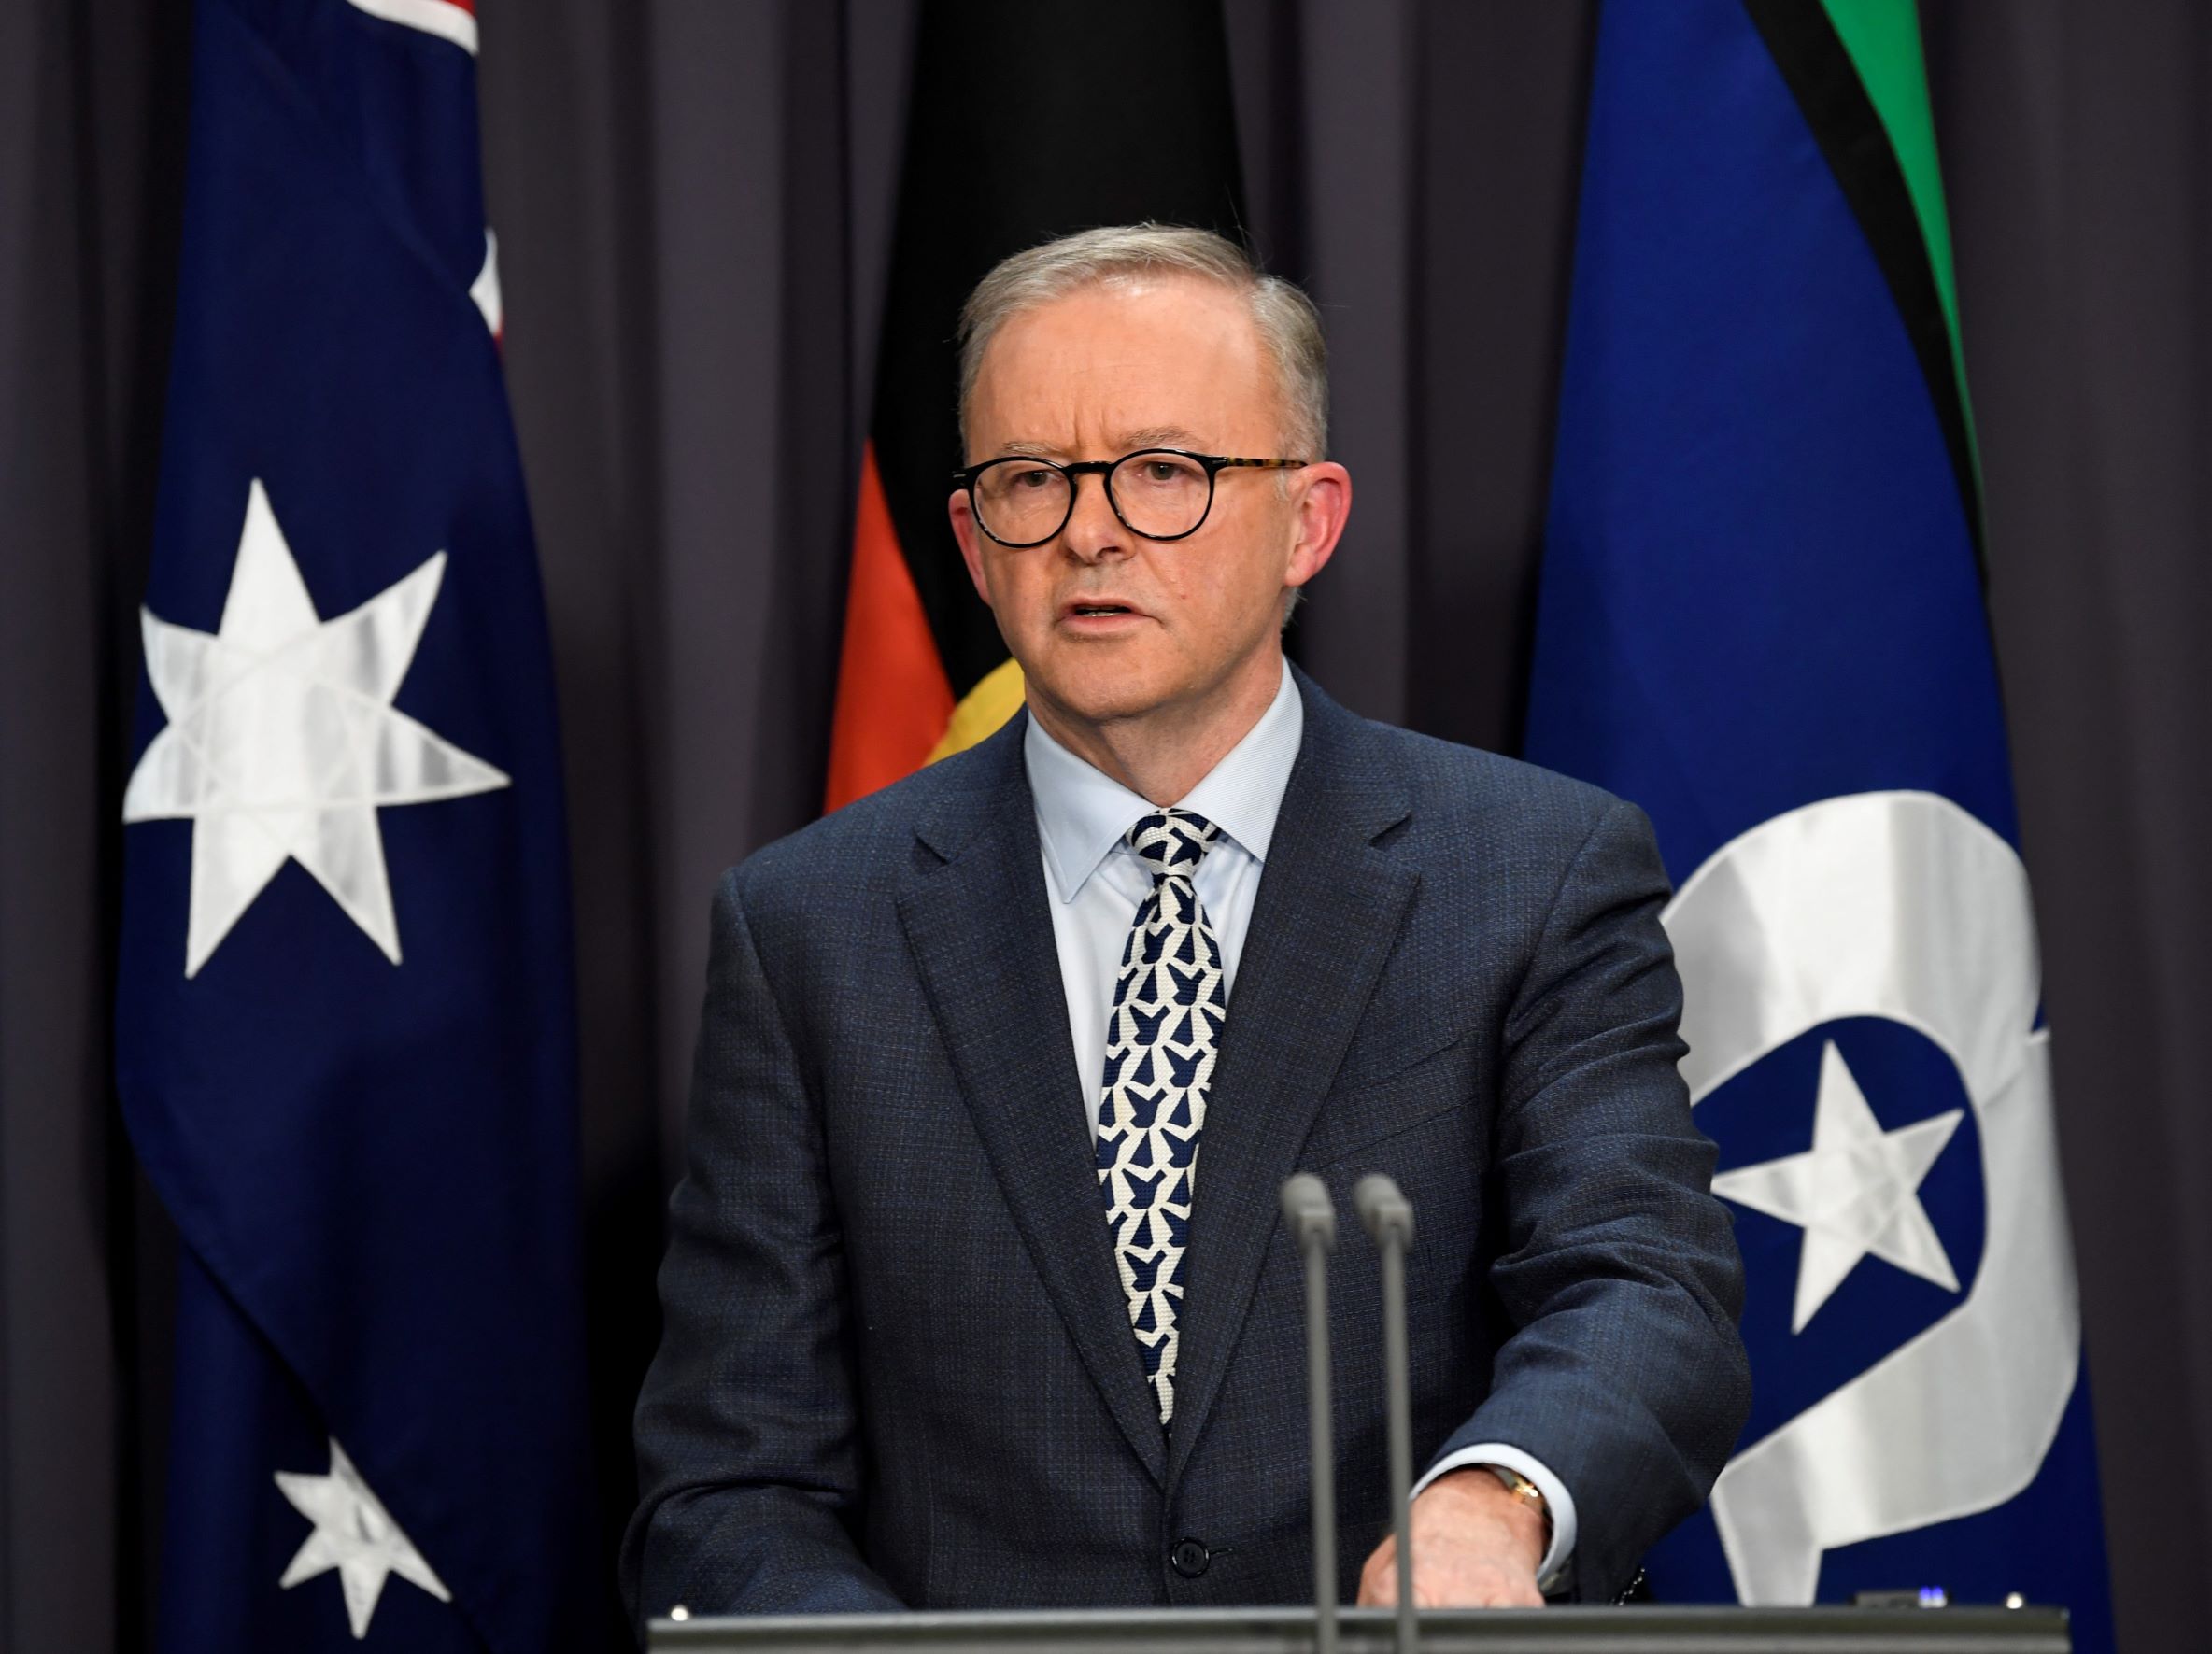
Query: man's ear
(1324, 503)
(962, 511)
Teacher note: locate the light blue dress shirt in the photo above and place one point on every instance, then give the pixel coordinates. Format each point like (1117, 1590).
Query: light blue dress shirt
(1098, 883)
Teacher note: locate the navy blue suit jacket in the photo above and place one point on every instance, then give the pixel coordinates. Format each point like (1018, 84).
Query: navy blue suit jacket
(897, 1366)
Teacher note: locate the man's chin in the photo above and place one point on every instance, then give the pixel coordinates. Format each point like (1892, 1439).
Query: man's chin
(1103, 709)
(1097, 697)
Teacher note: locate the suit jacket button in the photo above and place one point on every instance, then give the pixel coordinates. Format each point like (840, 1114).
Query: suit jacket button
(1190, 1557)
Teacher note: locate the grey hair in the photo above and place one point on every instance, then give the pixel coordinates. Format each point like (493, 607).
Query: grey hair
(1288, 324)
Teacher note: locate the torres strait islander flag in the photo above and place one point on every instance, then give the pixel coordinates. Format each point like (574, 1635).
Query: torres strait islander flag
(1762, 619)
(1026, 122)
(343, 1029)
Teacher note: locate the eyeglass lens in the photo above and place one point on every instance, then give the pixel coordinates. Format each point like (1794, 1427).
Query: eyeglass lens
(1159, 495)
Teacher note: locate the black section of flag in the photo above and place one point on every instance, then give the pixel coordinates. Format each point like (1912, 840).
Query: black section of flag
(1821, 75)
(1028, 121)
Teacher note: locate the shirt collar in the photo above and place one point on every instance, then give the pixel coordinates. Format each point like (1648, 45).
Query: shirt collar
(1083, 812)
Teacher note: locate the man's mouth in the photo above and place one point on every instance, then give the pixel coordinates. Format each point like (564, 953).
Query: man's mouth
(1095, 611)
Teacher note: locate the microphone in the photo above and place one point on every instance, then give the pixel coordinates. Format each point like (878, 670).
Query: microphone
(1389, 1219)
(1313, 1229)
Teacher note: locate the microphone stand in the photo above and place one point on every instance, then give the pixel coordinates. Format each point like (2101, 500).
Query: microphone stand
(1389, 1219)
(1313, 1219)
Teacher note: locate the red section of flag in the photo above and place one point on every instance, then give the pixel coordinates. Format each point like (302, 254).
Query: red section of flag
(893, 699)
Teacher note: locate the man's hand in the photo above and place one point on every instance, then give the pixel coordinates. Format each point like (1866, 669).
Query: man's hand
(1475, 1546)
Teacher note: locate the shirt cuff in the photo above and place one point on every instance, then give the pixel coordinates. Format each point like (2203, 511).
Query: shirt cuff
(1561, 1504)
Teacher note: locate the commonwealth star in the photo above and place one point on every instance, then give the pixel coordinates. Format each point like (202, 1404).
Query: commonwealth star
(282, 742)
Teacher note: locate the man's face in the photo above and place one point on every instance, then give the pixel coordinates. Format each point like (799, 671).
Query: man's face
(1175, 363)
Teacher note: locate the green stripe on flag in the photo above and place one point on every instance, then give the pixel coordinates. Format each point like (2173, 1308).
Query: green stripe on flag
(1899, 207)
(1883, 40)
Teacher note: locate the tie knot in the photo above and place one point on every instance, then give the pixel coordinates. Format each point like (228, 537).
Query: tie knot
(1171, 843)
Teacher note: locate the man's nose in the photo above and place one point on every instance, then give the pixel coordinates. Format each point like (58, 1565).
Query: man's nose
(1093, 530)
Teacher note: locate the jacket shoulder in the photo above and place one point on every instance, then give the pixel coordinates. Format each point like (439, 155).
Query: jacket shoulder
(859, 850)
(1509, 839)
(1466, 786)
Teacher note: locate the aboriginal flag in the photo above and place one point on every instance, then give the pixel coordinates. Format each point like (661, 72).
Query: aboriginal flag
(1026, 122)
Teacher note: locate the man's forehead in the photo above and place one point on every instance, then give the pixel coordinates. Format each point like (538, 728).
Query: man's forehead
(1161, 365)
(1116, 329)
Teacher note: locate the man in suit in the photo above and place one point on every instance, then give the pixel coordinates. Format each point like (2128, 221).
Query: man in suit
(976, 1293)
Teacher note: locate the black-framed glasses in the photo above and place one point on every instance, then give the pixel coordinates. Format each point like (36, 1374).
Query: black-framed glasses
(1158, 493)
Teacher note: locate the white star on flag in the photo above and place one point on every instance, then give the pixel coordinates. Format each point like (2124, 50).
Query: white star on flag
(282, 741)
(1856, 1192)
(354, 1534)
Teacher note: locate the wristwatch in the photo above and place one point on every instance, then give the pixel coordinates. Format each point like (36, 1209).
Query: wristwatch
(1524, 1491)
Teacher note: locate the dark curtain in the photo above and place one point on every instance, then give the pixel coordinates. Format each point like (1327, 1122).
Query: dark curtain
(693, 200)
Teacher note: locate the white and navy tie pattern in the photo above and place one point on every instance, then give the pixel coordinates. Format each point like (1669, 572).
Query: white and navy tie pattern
(1169, 1004)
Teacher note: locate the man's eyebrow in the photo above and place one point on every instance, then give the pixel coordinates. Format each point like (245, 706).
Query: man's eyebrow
(1157, 436)
(1130, 442)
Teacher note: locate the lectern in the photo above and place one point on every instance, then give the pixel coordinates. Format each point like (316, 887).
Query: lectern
(1372, 1631)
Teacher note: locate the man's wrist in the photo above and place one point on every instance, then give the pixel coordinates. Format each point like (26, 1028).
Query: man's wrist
(1476, 1491)
(1522, 1491)
(1557, 1568)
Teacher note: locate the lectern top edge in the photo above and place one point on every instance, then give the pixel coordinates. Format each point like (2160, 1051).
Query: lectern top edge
(1371, 1630)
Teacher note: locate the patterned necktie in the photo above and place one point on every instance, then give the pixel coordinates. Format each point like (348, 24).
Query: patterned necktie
(1169, 1005)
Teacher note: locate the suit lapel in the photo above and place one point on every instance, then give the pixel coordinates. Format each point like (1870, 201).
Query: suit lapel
(1329, 909)
(982, 939)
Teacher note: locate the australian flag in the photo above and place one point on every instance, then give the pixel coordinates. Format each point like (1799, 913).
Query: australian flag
(344, 1020)
(1762, 619)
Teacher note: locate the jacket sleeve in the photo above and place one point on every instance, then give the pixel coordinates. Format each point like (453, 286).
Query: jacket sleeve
(1618, 1268)
(750, 1453)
